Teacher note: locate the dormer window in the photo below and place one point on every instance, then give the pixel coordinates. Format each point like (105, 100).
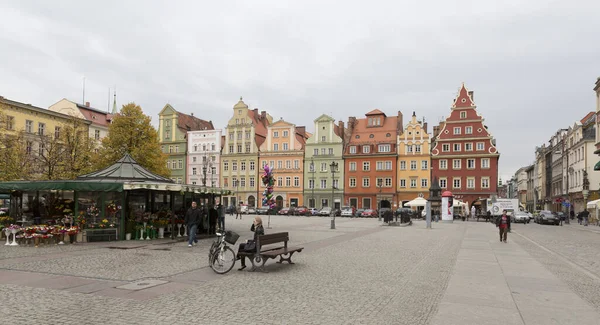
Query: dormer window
(366, 149)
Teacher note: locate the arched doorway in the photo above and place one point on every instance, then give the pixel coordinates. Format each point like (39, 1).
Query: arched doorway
(385, 204)
(251, 201)
(279, 201)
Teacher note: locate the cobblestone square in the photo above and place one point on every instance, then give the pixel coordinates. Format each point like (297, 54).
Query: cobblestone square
(359, 273)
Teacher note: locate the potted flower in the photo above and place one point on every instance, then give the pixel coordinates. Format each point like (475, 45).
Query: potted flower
(129, 229)
(161, 224)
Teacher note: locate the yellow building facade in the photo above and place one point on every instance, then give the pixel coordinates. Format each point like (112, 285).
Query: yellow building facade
(414, 162)
(37, 124)
(283, 150)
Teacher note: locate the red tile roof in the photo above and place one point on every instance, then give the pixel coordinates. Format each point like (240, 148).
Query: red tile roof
(191, 123)
(95, 116)
(375, 112)
(379, 132)
(587, 117)
(260, 127)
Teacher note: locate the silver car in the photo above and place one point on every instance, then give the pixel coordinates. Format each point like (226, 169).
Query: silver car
(521, 217)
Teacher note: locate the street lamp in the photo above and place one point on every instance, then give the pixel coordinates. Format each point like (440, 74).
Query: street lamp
(379, 187)
(333, 167)
(586, 188)
(312, 171)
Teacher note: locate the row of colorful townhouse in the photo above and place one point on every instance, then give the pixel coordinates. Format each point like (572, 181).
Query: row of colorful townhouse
(376, 160)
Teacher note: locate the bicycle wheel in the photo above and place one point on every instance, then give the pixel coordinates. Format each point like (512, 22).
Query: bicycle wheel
(223, 261)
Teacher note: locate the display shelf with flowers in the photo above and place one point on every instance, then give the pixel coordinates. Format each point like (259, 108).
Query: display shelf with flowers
(92, 214)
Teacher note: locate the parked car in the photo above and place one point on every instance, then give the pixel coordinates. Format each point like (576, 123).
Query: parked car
(520, 217)
(313, 211)
(548, 217)
(326, 211)
(284, 211)
(348, 212)
(230, 209)
(358, 212)
(405, 211)
(301, 211)
(251, 210)
(262, 210)
(369, 213)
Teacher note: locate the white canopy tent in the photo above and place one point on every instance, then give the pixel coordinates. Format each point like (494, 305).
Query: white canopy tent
(418, 202)
(593, 204)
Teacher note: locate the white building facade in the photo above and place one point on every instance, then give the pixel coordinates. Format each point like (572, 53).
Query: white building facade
(204, 157)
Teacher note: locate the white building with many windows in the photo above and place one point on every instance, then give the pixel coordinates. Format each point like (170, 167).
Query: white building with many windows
(203, 159)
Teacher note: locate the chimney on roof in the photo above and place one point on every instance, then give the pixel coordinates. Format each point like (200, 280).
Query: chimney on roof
(436, 131)
(301, 130)
(425, 127)
(87, 104)
(256, 112)
(192, 114)
(263, 114)
(472, 95)
(400, 124)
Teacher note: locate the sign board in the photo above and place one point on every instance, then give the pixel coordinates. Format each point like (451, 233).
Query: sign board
(496, 208)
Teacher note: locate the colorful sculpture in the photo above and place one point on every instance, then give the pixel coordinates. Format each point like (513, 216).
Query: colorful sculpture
(269, 181)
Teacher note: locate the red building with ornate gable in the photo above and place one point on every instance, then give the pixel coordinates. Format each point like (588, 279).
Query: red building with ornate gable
(464, 156)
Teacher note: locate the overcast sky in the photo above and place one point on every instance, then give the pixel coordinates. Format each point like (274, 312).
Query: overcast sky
(532, 64)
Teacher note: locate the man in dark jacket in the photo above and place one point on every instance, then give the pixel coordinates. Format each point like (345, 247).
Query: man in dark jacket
(192, 220)
(503, 224)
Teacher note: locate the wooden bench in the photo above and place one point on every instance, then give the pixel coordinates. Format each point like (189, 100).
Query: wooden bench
(261, 254)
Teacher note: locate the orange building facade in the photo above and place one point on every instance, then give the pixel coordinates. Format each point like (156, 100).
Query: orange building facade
(370, 158)
(283, 151)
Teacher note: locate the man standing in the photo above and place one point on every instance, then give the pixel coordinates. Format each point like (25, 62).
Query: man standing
(221, 219)
(503, 224)
(192, 220)
(238, 212)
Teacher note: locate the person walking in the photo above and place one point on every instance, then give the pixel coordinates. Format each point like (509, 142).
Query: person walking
(192, 220)
(221, 217)
(503, 224)
(579, 217)
(238, 212)
(585, 215)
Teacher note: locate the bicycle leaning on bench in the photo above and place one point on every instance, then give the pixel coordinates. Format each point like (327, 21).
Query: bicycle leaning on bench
(221, 257)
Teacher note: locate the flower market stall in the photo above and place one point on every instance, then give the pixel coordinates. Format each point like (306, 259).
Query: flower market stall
(108, 204)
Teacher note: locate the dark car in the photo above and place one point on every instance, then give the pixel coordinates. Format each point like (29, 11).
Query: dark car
(358, 212)
(405, 211)
(262, 210)
(548, 218)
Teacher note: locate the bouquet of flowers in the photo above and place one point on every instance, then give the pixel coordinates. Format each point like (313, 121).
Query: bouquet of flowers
(92, 213)
(80, 220)
(104, 223)
(112, 208)
(5, 221)
(73, 230)
(161, 223)
(14, 227)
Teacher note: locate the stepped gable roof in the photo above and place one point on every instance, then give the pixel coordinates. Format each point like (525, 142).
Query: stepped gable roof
(125, 169)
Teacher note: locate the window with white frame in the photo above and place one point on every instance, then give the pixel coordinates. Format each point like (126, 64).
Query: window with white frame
(234, 166)
(275, 134)
(252, 182)
(443, 183)
(402, 183)
(403, 165)
(456, 182)
(279, 164)
(286, 134)
(280, 181)
(288, 164)
(457, 130)
(230, 148)
(443, 164)
(296, 181)
(239, 148)
(456, 163)
(468, 147)
(352, 149)
(409, 148)
(352, 182)
(424, 182)
(330, 151)
(352, 166)
(225, 165)
(311, 183)
(485, 162)
(413, 183)
(470, 182)
(252, 165)
(247, 147)
(379, 182)
(385, 148)
(424, 164)
(480, 146)
(323, 151)
(275, 146)
(485, 182)
(445, 147)
(366, 182)
(379, 165)
(243, 182)
(336, 184)
(418, 148)
(323, 167)
(288, 181)
(388, 182)
(243, 166)
(366, 149)
(285, 146)
(323, 183)
(296, 164)
(470, 163)
(323, 138)
(413, 165)
(468, 130)
(457, 147)
(388, 165)
(366, 166)
(315, 152)
(463, 115)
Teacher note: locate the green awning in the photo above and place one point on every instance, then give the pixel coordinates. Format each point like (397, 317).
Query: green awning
(61, 185)
(597, 166)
